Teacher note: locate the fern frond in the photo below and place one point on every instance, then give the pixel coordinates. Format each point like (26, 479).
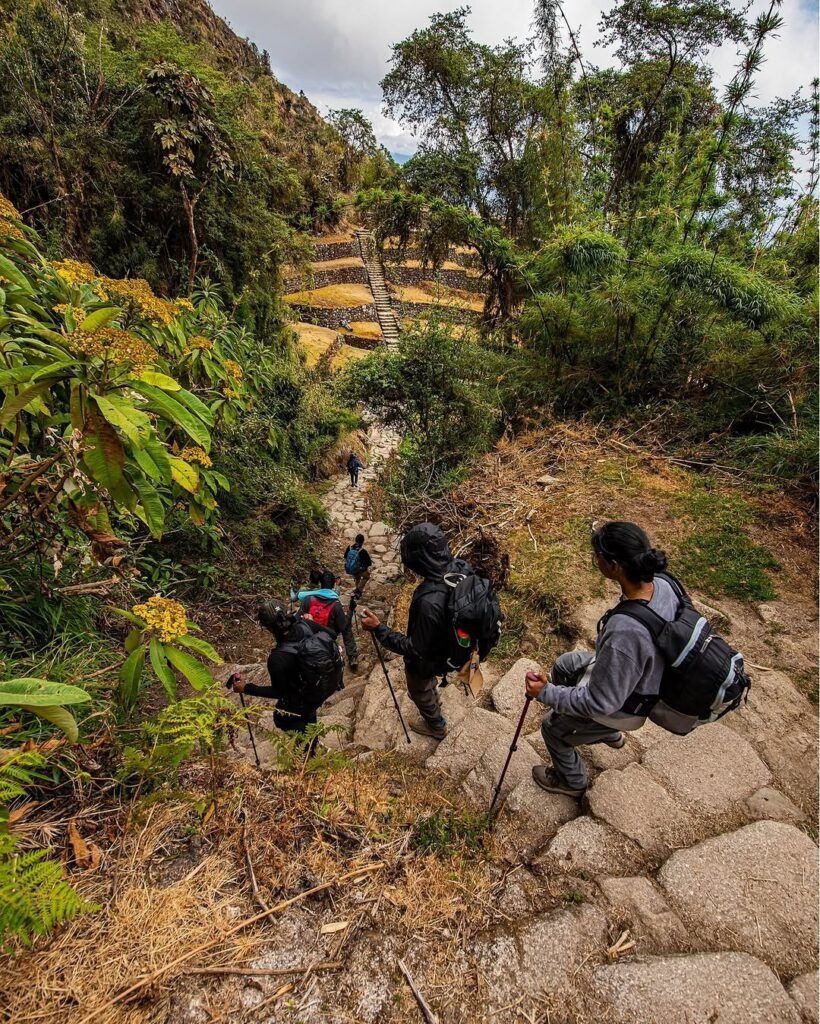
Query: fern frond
(34, 896)
(18, 772)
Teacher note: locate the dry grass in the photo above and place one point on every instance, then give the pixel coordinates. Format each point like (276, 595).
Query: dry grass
(339, 264)
(466, 331)
(175, 882)
(446, 265)
(366, 329)
(314, 340)
(349, 354)
(333, 237)
(333, 296)
(436, 294)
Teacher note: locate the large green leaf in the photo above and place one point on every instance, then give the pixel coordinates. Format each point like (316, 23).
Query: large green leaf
(105, 458)
(100, 317)
(159, 663)
(146, 464)
(57, 716)
(33, 692)
(153, 511)
(201, 647)
(17, 402)
(196, 674)
(129, 616)
(198, 407)
(159, 455)
(160, 380)
(13, 274)
(121, 413)
(184, 474)
(177, 414)
(133, 641)
(130, 677)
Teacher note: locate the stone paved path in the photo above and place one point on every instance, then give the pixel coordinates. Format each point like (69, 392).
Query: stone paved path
(699, 847)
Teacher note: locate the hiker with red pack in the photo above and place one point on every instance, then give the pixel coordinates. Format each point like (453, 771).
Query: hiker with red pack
(323, 606)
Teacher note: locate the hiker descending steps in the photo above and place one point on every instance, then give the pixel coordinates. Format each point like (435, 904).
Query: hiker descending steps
(323, 605)
(454, 620)
(654, 657)
(305, 668)
(357, 564)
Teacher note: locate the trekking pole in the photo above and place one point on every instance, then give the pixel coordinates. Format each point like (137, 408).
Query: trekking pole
(229, 685)
(390, 687)
(512, 750)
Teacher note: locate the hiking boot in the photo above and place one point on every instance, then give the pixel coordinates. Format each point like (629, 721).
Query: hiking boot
(617, 744)
(547, 779)
(438, 730)
(354, 667)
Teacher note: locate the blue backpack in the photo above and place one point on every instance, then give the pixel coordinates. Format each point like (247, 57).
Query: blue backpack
(352, 560)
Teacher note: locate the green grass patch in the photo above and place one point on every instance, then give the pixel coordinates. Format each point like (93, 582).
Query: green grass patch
(718, 556)
(448, 832)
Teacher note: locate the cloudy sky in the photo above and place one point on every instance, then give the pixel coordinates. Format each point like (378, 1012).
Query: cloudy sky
(337, 51)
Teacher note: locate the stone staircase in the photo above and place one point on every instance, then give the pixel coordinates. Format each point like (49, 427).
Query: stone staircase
(381, 297)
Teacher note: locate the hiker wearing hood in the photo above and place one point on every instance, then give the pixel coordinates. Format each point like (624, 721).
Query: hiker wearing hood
(424, 551)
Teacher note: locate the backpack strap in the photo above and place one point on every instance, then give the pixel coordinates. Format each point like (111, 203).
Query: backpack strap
(640, 612)
(676, 585)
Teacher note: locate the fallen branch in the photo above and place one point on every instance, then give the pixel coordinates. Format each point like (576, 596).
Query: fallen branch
(277, 908)
(426, 1012)
(328, 965)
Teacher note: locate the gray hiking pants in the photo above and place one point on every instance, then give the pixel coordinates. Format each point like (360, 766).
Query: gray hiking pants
(423, 692)
(563, 733)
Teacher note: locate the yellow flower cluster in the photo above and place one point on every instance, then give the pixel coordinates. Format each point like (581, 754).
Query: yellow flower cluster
(75, 272)
(197, 455)
(198, 341)
(230, 393)
(233, 369)
(186, 304)
(137, 292)
(164, 616)
(8, 214)
(78, 314)
(115, 345)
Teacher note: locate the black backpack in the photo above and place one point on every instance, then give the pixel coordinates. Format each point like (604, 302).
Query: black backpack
(703, 677)
(473, 613)
(320, 664)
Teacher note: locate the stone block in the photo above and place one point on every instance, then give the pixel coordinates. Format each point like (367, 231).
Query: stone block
(539, 962)
(648, 912)
(774, 805)
(730, 988)
(633, 803)
(508, 694)
(480, 783)
(530, 817)
(753, 890)
(588, 847)
(467, 741)
(803, 991)
(712, 770)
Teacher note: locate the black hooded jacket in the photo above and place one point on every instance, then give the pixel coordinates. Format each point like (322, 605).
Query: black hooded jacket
(424, 551)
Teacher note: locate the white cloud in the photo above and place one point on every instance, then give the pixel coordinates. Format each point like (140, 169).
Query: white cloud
(338, 52)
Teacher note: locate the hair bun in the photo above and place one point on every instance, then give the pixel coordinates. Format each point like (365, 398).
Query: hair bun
(650, 562)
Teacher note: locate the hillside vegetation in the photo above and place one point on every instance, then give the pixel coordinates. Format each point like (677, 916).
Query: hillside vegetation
(599, 301)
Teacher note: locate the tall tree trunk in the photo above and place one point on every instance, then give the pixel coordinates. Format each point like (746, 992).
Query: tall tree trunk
(188, 205)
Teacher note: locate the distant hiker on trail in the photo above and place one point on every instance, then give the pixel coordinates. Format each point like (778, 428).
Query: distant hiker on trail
(357, 564)
(305, 668)
(323, 605)
(453, 622)
(354, 464)
(596, 696)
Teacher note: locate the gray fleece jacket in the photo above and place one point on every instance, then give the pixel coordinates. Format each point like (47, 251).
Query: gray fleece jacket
(626, 661)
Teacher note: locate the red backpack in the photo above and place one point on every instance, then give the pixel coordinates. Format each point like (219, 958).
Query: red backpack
(319, 610)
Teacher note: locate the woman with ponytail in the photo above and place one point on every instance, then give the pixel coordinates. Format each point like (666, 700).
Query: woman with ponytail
(596, 696)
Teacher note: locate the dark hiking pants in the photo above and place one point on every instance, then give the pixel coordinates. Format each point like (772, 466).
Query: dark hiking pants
(351, 649)
(354, 476)
(423, 692)
(564, 732)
